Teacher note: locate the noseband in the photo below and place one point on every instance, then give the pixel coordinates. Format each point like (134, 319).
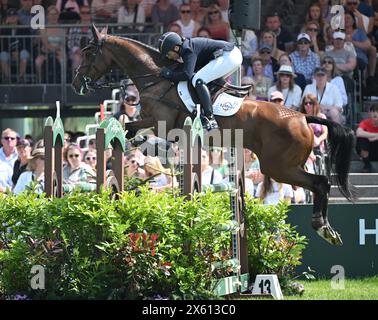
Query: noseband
(88, 82)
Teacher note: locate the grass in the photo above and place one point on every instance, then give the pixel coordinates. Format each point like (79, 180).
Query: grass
(355, 289)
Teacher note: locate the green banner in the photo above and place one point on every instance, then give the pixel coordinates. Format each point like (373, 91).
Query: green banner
(358, 226)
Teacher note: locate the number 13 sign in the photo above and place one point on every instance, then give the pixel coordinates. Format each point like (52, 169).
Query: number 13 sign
(267, 284)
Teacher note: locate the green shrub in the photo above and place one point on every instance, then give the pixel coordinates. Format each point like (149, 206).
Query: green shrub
(144, 245)
(93, 247)
(274, 247)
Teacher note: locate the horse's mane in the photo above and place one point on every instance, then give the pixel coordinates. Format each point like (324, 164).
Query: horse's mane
(138, 45)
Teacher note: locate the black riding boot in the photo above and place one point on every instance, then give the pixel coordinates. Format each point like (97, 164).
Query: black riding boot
(205, 99)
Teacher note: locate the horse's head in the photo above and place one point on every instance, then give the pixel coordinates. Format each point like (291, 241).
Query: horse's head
(95, 63)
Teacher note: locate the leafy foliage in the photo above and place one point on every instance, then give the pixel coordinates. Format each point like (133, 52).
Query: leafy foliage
(144, 245)
(274, 247)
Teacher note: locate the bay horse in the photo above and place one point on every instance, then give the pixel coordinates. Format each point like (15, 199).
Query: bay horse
(281, 138)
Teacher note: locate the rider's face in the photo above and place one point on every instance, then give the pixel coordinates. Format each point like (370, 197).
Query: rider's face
(172, 55)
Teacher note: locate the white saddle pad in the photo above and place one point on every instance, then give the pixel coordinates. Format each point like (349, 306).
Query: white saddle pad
(225, 105)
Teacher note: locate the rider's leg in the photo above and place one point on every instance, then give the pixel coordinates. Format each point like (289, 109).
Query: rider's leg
(205, 99)
(215, 69)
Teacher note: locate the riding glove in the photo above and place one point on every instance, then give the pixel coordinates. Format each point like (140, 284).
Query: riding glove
(165, 73)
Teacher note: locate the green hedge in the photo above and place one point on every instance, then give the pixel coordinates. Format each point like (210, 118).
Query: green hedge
(144, 245)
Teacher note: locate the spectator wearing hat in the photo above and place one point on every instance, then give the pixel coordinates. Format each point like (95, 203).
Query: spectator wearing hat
(367, 142)
(285, 84)
(299, 78)
(277, 98)
(284, 40)
(327, 94)
(15, 49)
(35, 173)
(129, 101)
(304, 60)
(8, 156)
(346, 60)
(23, 149)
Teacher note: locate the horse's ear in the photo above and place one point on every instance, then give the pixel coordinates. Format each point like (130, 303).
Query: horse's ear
(96, 33)
(104, 31)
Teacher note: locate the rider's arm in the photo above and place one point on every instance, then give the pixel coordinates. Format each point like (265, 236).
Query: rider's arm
(186, 74)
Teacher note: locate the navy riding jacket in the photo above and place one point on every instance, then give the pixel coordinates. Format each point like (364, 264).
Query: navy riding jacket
(196, 53)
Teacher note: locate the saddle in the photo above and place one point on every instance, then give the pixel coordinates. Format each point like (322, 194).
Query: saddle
(219, 86)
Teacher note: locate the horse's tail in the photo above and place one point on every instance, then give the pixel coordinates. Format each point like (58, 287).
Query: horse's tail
(342, 143)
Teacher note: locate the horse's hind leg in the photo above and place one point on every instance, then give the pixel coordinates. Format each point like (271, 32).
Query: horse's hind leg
(320, 186)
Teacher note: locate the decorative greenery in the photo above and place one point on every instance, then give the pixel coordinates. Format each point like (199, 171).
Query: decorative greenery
(274, 247)
(144, 245)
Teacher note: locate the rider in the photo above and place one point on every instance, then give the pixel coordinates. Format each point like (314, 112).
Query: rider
(204, 60)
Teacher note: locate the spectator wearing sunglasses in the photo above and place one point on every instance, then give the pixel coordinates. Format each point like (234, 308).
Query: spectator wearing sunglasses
(189, 27)
(90, 159)
(329, 64)
(75, 171)
(219, 29)
(34, 177)
(313, 29)
(8, 156)
(23, 150)
(363, 13)
(304, 60)
(134, 169)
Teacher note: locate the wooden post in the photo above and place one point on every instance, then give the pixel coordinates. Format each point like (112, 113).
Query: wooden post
(101, 160)
(49, 160)
(118, 165)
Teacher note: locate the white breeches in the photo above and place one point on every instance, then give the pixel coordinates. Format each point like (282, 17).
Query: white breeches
(220, 67)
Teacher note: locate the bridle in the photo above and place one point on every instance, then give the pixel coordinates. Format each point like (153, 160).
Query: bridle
(91, 85)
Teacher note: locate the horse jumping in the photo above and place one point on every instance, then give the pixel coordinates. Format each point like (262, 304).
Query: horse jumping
(281, 138)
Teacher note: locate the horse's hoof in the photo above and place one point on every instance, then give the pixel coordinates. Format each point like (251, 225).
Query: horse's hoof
(330, 235)
(317, 222)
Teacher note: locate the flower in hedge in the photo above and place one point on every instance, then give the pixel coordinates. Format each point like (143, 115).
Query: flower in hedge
(20, 297)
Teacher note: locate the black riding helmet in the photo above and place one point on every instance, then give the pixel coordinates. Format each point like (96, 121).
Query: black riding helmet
(168, 41)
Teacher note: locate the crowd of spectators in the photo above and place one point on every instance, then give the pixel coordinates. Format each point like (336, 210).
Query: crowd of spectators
(353, 48)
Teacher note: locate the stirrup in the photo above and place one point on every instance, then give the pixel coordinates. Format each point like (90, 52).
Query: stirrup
(209, 123)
